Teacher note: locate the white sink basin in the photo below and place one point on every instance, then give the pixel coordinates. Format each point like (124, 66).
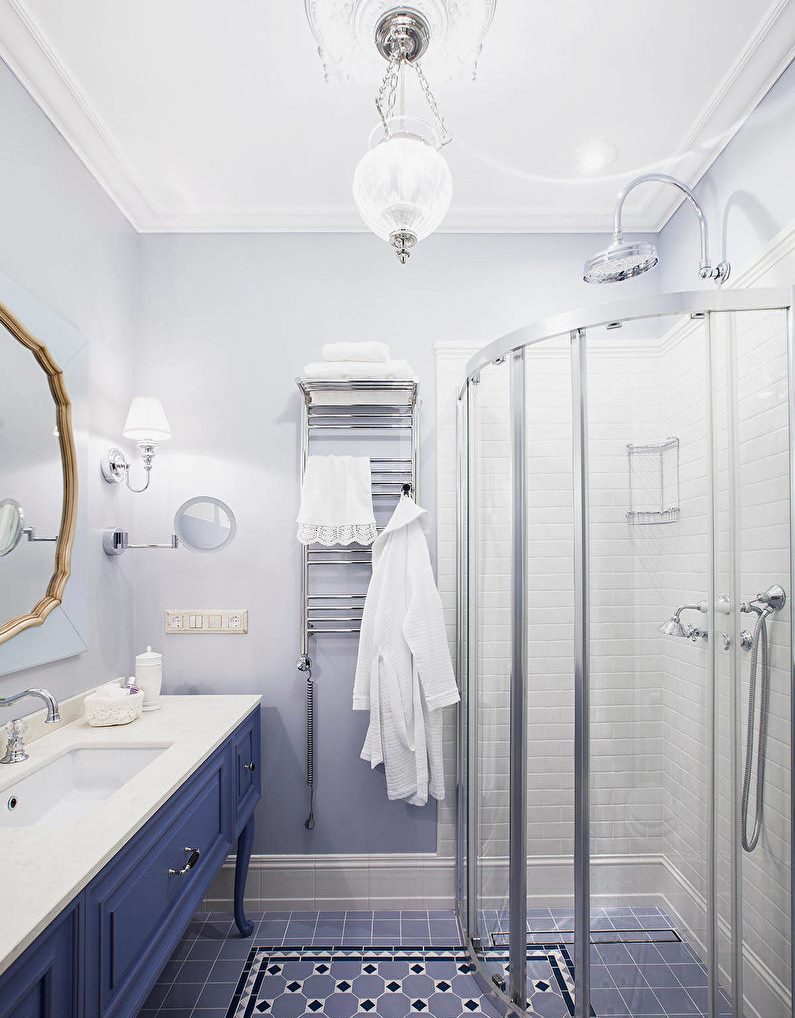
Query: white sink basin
(63, 789)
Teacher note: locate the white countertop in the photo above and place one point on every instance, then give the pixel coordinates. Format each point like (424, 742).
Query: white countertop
(42, 868)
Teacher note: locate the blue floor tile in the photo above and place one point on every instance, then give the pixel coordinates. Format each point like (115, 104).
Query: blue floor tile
(641, 1001)
(679, 1001)
(648, 979)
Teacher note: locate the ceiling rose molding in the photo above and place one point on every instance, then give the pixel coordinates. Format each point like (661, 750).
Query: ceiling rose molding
(26, 50)
(31, 58)
(764, 58)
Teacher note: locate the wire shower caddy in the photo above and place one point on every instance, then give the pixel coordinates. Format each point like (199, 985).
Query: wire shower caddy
(381, 409)
(653, 482)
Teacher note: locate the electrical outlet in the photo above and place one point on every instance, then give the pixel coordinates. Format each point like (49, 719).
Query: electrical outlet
(193, 621)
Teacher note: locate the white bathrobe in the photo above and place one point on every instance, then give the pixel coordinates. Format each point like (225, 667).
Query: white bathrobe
(404, 675)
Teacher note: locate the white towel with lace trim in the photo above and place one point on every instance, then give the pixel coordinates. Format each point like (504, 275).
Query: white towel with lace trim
(336, 501)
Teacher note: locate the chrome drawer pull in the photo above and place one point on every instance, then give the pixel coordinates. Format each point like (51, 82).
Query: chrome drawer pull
(193, 857)
(251, 767)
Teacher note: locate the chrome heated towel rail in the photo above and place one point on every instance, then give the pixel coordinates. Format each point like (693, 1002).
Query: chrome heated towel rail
(365, 417)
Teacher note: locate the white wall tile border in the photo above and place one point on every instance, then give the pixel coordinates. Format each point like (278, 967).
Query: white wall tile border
(765, 995)
(308, 882)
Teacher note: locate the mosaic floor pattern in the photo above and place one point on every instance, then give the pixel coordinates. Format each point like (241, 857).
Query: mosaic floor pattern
(640, 967)
(342, 983)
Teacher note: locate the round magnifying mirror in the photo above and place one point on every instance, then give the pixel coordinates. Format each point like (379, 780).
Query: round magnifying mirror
(12, 521)
(205, 523)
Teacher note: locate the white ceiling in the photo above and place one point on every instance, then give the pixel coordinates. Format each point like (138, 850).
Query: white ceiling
(200, 115)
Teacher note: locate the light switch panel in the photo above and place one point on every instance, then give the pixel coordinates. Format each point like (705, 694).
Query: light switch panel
(192, 621)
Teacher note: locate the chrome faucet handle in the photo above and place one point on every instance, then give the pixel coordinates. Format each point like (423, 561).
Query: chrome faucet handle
(15, 747)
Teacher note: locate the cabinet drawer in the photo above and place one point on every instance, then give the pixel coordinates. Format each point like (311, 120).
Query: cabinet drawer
(45, 981)
(248, 774)
(138, 906)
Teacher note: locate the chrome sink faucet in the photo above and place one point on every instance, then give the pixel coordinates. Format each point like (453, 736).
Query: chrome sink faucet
(15, 748)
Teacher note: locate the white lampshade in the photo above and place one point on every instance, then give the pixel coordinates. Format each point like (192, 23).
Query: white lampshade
(146, 421)
(403, 183)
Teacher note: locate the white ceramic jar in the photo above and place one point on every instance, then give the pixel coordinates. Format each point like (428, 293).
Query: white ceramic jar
(149, 677)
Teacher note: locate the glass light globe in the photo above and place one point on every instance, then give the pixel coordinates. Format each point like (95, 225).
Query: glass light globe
(403, 188)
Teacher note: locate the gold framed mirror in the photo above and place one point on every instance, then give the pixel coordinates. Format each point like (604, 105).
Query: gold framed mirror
(51, 500)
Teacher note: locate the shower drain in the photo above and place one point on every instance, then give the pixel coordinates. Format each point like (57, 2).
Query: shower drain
(539, 938)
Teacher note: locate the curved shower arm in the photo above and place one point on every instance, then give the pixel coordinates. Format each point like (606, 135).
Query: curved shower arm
(721, 271)
(700, 607)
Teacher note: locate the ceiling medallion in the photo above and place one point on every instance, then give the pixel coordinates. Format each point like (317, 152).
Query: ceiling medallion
(402, 185)
(345, 29)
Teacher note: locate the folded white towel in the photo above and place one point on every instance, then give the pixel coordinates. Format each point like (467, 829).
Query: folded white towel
(369, 351)
(112, 690)
(340, 370)
(336, 501)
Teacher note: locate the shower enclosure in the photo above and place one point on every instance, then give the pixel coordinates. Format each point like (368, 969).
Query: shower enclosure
(625, 650)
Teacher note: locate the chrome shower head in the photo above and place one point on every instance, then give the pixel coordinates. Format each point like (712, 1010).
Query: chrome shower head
(622, 260)
(673, 627)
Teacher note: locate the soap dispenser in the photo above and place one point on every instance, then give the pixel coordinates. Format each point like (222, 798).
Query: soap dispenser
(149, 677)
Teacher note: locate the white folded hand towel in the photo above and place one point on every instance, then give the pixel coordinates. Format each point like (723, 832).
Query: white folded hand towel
(113, 690)
(336, 501)
(369, 352)
(341, 370)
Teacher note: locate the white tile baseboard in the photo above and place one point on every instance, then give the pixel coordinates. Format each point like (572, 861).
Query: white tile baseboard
(309, 882)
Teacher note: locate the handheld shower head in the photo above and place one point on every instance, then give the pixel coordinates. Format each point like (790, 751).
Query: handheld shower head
(622, 260)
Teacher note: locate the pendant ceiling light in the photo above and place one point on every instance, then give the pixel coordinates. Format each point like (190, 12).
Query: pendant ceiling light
(345, 30)
(402, 186)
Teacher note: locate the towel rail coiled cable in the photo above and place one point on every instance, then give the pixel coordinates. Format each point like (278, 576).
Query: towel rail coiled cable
(387, 406)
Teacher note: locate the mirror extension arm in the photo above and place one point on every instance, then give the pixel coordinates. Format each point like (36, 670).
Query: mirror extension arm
(116, 542)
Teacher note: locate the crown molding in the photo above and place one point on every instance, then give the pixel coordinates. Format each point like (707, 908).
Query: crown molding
(762, 61)
(30, 57)
(347, 220)
(26, 50)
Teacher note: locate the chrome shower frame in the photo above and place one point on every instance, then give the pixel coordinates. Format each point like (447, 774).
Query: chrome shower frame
(511, 347)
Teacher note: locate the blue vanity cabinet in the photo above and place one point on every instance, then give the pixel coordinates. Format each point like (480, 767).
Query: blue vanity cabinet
(248, 776)
(103, 954)
(46, 982)
(139, 905)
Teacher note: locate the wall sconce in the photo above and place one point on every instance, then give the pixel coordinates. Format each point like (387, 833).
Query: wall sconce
(147, 425)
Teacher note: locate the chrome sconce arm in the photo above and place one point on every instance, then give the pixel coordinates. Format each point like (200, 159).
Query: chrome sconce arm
(116, 466)
(146, 424)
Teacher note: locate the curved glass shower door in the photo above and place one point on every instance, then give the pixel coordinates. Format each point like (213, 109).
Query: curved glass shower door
(651, 678)
(627, 752)
(490, 528)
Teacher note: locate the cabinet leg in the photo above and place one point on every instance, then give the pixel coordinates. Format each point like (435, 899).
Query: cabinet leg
(244, 843)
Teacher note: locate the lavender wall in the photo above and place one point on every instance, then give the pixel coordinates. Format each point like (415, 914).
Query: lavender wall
(65, 242)
(227, 323)
(747, 194)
